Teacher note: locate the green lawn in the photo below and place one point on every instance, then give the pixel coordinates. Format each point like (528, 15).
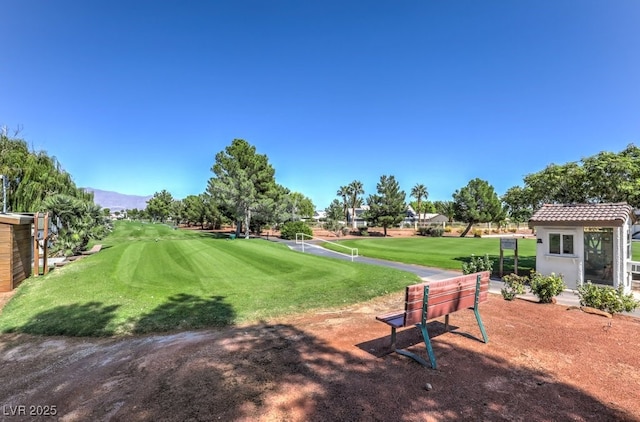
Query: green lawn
(150, 278)
(443, 252)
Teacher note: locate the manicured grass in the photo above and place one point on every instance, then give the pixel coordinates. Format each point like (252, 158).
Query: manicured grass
(149, 277)
(443, 252)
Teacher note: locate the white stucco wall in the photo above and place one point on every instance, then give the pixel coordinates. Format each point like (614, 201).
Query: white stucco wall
(572, 266)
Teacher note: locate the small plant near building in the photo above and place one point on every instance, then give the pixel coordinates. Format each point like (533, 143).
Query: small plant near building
(364, 231)
(477, 264)
(513, 285)
(606, 298)
(290, 229)
(546, 287)
(477, 233)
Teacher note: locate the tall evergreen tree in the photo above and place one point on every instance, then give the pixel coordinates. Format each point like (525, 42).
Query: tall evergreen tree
(159, 206)
(243, 182)
(387, 208)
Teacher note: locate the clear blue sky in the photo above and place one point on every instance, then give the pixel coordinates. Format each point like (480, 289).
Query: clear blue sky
(138, 96)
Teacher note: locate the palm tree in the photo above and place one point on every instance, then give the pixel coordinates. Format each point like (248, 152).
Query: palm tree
(355, 189)
(419, 191)
(343, 192)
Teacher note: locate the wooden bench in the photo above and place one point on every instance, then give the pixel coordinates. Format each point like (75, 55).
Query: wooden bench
(433, 299)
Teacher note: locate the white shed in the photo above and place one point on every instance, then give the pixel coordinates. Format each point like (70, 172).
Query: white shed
(585, 242)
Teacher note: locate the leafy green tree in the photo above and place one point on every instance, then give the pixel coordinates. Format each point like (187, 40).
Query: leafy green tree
(419, 191)
(32, 176)
(613, 177)
(518, 204)
(335, 215)
(177, 211)
(299, 206)
(355, 189)
(243, 182)
(387, 208)
(159, 206)
(194, 210)
(563, 183)
(133, 214)
(477, 203)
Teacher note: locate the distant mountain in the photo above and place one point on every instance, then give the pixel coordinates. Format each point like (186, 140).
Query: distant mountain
(118, 201)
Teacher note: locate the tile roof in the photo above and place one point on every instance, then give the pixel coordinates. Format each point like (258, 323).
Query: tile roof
(582, 215)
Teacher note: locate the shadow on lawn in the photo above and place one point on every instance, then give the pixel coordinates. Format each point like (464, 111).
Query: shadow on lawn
(184, 311)
(89, 319)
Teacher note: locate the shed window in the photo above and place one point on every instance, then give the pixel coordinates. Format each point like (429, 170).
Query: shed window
(560, 244)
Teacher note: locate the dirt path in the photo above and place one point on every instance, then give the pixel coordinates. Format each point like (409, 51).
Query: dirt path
(542, 362)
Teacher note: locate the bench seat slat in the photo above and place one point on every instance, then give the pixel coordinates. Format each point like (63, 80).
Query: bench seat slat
(395, 319)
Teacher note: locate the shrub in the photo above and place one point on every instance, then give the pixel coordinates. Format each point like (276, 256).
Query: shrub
(477, 264)
(606, 298)
(437, 232)
(364, 231)
(477, 233)
(290, 229)
(431, 231)
(447, 229)
(546, 287)
(513, 286)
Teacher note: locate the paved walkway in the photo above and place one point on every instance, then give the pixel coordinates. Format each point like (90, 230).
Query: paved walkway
(568, 297)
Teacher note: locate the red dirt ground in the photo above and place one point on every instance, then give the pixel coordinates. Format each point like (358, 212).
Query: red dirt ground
(542, 363)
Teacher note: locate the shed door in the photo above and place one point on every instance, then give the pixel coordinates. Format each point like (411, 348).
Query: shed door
(598, 255)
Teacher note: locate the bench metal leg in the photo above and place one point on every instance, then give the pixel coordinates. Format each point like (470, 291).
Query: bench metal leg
(393, 338)
(427, 343)
(481, 325)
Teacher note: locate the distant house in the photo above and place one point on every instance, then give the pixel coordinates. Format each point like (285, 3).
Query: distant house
(414, 217)
(585, 242)
(319, 216)
(411, 217)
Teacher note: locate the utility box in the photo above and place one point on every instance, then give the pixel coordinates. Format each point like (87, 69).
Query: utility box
(15, 250)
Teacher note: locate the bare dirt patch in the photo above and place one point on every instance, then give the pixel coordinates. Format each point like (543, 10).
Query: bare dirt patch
(542, 363)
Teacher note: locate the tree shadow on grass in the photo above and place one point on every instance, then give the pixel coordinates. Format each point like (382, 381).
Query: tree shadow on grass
(184, 311)
(280, 372)
(78, 320)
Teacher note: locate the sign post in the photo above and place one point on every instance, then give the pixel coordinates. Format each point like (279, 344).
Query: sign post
(508, 243)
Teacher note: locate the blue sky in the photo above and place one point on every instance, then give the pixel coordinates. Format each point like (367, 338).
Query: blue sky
(139, 96)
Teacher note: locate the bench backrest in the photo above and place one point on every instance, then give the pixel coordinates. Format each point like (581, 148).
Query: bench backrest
(445, 296)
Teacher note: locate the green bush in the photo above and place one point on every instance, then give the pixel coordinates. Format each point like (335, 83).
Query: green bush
(437, 232)
(290, 229)
(513, 286)
(477, 264)
(546, 287)
(606, 298)
(364, 231)
(430, 231)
